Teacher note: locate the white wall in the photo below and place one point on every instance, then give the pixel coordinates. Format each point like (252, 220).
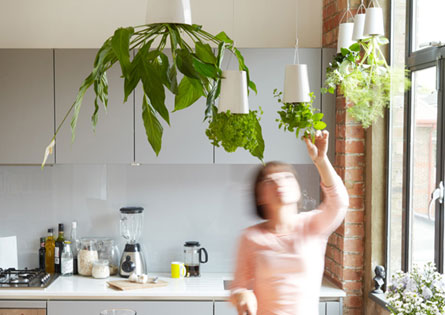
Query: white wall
(207, 203)
(86, 23)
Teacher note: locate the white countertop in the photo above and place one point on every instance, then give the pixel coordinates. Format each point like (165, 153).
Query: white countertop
(208, 287)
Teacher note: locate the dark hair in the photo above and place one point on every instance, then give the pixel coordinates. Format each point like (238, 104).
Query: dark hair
(263, 170)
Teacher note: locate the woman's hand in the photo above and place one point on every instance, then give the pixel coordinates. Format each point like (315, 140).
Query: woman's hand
(317, 150)
(245, 302)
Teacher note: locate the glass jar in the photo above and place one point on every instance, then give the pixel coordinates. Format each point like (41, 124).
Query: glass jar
(87, 255)
(101, 269)
(67, 260)
(109, 251)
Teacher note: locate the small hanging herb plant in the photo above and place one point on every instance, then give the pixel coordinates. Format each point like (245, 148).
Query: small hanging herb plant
(199, 64)
(233, 131)
(296, 117)
(366, 81)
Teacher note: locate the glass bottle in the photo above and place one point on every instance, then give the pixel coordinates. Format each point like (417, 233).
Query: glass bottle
(75, 245)
(49, 252)
(58, 249)
(66, 260)
(42, 254)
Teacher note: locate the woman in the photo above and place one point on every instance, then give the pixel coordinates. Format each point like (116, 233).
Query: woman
(281, 261)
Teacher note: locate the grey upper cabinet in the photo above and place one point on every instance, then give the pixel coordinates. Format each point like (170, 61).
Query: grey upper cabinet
(113, 141)
(267, 66)
(26, 105)
(143, 308)
(184, 142)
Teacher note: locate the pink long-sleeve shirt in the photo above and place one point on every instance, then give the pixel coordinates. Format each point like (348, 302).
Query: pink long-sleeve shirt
(285, 270)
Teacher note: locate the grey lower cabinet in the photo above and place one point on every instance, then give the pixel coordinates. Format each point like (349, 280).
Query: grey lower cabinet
(26, 105)
(141, 307)
(267, 68)
(113, 140)
(325, 308)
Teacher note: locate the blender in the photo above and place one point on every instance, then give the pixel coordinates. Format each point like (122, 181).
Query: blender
(132, 259)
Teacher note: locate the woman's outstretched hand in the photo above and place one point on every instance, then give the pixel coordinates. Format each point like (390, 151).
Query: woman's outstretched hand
(318, 150)
(246, 303)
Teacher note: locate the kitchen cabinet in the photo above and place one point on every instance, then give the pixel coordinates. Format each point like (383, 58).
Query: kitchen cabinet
(141, 307)
(184, 142)
(22, 311)
(267, 68)
(112, 142)
(26, 105)
(325, 308)
(22, 307)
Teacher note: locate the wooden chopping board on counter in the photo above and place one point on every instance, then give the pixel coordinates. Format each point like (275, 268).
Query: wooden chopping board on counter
(126, 285)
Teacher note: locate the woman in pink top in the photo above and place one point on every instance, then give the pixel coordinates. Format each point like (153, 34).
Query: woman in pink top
(280, 261)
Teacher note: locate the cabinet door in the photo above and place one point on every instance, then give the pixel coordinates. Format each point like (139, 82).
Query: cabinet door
(141, 308)
(333, 308)
(267, 68)
(22, 311)
(26, 105)
(184, 142)
(113, 140)
(322, 308)
(225, 308)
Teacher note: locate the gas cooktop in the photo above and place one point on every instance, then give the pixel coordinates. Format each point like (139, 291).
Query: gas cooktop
(25, 279)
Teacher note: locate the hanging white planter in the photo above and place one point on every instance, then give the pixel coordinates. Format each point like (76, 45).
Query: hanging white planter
(359, 26)
(233, 95)
(345, 36)
(296, 84)
(169, 11)
(374, 22)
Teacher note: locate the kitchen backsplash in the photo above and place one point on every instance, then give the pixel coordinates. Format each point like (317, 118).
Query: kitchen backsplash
(207, 203)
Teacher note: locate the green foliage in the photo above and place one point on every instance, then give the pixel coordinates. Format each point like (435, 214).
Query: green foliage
(233, 131)
(296, 117)
(367, 82)
(199, 64)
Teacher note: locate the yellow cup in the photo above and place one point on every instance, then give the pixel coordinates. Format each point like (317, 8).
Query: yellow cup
(178, 269)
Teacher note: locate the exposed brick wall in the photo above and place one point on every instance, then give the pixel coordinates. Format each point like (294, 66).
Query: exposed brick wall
(344, 261)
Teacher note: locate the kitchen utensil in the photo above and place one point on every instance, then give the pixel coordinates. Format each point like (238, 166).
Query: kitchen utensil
(126, 285)
(193, 257)
(131, 224)
(178, 269)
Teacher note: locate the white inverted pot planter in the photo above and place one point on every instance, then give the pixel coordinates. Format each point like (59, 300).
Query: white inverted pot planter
(374, 22)
(359, 26)
(296, 84)
(345, 36)
(233, 95)
(169, 11)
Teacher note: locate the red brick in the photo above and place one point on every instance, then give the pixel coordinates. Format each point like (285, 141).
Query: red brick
(352, 286)
(356, 202)
(330, 10)
(355, 230)
(356, 175)
(356, 132)
(355, 188)
(353, 274)
(353, 311)
(354, 245)
(354, 146)
(356, 216)
(340, 231)
(340, 102)
(353, 260)
(353, 301)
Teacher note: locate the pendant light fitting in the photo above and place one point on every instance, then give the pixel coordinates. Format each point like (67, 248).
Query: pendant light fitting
(359, 23)
(169, 11)
(296, 81)
(345, 30)
(374, 20)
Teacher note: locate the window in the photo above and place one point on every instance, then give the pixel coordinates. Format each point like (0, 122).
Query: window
(416, 137)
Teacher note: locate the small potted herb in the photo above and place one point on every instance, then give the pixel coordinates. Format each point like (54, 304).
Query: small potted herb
(296, 117)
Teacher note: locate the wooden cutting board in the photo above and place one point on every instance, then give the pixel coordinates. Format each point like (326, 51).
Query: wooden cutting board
(125, 285)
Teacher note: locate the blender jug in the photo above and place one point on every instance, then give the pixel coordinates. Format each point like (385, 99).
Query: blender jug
(132, 260)
(193, 257)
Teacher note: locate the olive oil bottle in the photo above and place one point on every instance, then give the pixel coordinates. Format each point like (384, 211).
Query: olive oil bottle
(60, 242)
(50, 244)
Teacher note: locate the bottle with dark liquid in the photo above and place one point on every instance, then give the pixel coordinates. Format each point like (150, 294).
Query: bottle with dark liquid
(60, 241)
(49, 252)
(75, 244)
(42, 253)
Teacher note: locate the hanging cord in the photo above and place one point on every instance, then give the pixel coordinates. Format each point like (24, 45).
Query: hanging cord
(347, 12)
(296, 53)
(375, 3)
(361, 9)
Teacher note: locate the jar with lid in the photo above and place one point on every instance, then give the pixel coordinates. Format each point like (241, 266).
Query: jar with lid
(101, 269)
(87, 255)
(109, 251)
(67, 260)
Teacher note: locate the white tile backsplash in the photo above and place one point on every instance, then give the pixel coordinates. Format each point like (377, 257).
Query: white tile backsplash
(207, 203)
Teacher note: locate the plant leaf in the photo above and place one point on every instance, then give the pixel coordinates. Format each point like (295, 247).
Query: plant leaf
(153, 128)
(355, 47)
(172, 78)
(189, 91)
(205, 69)
(205, 53)
(184, 62)
(224, 38)
(120, 42)
(78, 103)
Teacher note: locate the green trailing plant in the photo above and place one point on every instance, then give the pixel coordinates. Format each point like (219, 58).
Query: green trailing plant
(296, 117)
(367, 81)
(199, 64)
(233, 131)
